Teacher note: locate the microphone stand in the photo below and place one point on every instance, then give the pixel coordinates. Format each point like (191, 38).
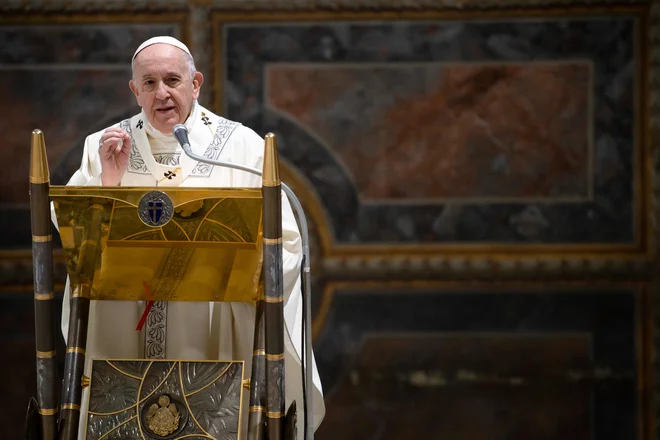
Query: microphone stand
(306, 281)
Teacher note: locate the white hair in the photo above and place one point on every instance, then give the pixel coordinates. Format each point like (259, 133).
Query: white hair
(190, 64)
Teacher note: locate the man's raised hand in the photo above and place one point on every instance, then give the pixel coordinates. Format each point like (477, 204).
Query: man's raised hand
(114, 150)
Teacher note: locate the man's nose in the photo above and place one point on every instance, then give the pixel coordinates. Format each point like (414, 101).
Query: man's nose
(162, 92)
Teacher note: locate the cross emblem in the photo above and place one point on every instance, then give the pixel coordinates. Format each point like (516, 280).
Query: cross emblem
(139, 124)
(155, 209)
(205, 119)
(169, 175)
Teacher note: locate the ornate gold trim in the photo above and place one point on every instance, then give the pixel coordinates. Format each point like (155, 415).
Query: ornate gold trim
(44, 296)
(273, 300)
(46, 354)
(272, 240)
(80, 291)
(257, 408)
(70, 407)
(42, 238)
(75, 350)
(274, 414)
(259, 352)
(39, 180)
(275, 357)
(48, 411)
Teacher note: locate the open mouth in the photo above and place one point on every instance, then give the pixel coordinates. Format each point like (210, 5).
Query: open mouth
(165, 109)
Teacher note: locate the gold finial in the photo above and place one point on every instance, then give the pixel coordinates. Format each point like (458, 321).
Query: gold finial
(38, 161)
(84, 381)
(246, 383)
(271, 172)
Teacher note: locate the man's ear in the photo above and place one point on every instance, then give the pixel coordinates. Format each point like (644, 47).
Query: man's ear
(135, 90)
(198, 80)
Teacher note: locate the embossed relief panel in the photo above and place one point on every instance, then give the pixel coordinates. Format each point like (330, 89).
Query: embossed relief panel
(162, 399)
(496, 131)
(68, 78)
(552, 362)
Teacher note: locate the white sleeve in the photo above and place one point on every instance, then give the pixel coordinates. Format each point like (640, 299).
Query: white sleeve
(89, 173)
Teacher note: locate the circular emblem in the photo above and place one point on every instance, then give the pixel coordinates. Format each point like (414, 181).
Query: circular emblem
(155, 209)
(163, 417)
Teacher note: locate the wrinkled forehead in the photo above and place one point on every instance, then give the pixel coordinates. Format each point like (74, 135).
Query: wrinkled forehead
(159, 58)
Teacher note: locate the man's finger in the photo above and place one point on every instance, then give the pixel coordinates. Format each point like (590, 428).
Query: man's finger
(111, 140)
(113, 132)
(111, 146)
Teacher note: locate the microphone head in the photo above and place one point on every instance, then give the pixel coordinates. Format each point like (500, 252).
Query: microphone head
(178, 128)
(181, 134)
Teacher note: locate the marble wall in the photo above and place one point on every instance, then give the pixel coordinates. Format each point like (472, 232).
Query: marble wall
(489, 131)
(478, 187)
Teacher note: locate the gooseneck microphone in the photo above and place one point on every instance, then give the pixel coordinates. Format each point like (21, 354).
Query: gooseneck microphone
(181, 134)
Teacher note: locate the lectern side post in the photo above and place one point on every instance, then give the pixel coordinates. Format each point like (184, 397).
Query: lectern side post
(42, 267)
(273, 290)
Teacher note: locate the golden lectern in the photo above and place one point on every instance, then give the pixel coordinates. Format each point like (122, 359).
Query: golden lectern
(156, 245)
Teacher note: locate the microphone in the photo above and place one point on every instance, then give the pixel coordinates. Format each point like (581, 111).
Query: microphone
(181, 134)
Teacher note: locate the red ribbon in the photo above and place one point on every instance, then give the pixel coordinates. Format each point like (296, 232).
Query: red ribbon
(146, 310)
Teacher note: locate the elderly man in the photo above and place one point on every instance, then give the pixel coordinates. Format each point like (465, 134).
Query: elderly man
(142, 151)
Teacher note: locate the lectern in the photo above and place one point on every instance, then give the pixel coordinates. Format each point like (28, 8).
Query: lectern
(155, 245)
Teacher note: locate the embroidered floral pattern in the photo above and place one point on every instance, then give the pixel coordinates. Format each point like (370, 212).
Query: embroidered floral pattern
(135, 162)
(170, 159)
(222, 134)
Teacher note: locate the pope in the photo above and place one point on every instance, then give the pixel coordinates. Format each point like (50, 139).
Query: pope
(142, 151)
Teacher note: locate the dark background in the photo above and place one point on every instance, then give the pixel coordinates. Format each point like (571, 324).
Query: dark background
(478, 177)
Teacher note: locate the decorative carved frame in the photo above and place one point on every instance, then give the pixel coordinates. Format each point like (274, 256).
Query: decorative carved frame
(486, 261)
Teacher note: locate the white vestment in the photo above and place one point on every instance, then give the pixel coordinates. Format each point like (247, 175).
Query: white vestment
(197, 331)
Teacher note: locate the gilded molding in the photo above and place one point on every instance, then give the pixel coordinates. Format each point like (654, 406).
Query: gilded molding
(484, 268)
(291, 5)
